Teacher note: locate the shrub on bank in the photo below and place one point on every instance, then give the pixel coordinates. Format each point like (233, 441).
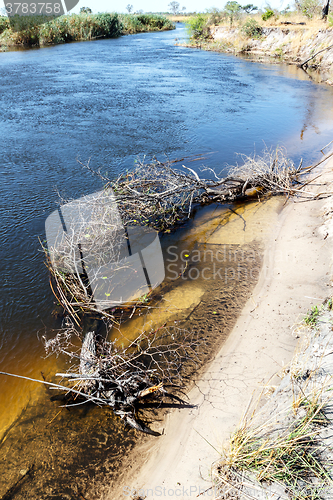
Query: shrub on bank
(43, 30)
(138, 23)
(4, 23)
(197, 26)
(309, 8)
(267, 14)
(251, 28)
(25, 30)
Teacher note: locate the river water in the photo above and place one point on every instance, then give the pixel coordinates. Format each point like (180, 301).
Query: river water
(111, 101)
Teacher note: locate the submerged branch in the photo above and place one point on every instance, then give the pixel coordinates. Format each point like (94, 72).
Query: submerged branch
(153, 197)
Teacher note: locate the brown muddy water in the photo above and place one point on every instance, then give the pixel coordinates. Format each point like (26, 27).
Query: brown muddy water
(112, 100)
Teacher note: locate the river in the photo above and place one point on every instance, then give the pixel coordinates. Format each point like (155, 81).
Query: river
(111, 101)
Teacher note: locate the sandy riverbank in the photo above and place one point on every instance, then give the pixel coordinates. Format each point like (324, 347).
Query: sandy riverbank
(296, 275)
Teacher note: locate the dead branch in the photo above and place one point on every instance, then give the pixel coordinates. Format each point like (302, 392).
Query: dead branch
(155, 196)
(301, 65)
(124, 378)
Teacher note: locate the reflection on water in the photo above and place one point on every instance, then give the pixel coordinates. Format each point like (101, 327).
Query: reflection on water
(112, 100)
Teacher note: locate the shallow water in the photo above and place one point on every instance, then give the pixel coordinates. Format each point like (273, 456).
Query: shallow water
(111, 100)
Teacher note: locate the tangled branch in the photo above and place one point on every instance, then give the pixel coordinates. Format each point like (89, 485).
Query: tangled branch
(125, 377)
(153, 197)
(161, 196)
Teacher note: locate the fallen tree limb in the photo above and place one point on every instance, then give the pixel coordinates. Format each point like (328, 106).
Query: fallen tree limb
(314, 55)
(160, 197)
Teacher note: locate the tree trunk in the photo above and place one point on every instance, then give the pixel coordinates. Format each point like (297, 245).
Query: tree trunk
(325, 10)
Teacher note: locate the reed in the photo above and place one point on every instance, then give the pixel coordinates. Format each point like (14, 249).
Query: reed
(45, 30)
(139, 23)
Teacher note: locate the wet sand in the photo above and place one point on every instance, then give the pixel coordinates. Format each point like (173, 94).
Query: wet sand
(295, 275)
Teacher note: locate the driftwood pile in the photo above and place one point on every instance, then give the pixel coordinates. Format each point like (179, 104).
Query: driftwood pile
(160, 197)
(124, 378)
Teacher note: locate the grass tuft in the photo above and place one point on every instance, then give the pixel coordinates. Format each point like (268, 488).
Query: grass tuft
(291, 456)
(312, 316)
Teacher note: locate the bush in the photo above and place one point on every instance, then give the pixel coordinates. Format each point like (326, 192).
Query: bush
(106, 26)
(251, 28)
(197, 26)
(4, 23)
(215, 16)
(24, 30)
(309, 8)
(136, 23)
(268, 14)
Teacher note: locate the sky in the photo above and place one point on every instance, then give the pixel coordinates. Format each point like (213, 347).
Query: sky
(162, 5)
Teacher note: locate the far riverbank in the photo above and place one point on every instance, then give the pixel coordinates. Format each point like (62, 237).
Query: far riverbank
(292, 44)
(39, 31)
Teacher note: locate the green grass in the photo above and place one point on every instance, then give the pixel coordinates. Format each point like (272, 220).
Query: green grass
(138, 23)
(312, 316)
(44, 30)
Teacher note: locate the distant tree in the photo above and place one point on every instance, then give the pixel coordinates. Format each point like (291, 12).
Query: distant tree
(249, 8)
(183, 9)
(215, 16)
(174, 6)
(232, 10)
(129, 8)
(139, 11)
(85, 10)
(286, 10)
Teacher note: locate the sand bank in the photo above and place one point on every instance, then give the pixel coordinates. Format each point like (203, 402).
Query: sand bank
(296, 274)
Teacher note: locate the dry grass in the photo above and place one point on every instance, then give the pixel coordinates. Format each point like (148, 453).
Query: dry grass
(178, 18)
(310, 29)
(290, 456)
(314, 24)
(288, 450)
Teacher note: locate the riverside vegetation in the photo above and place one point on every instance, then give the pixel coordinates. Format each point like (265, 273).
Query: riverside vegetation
(303, 36)
(44, 30)
(285, 447)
